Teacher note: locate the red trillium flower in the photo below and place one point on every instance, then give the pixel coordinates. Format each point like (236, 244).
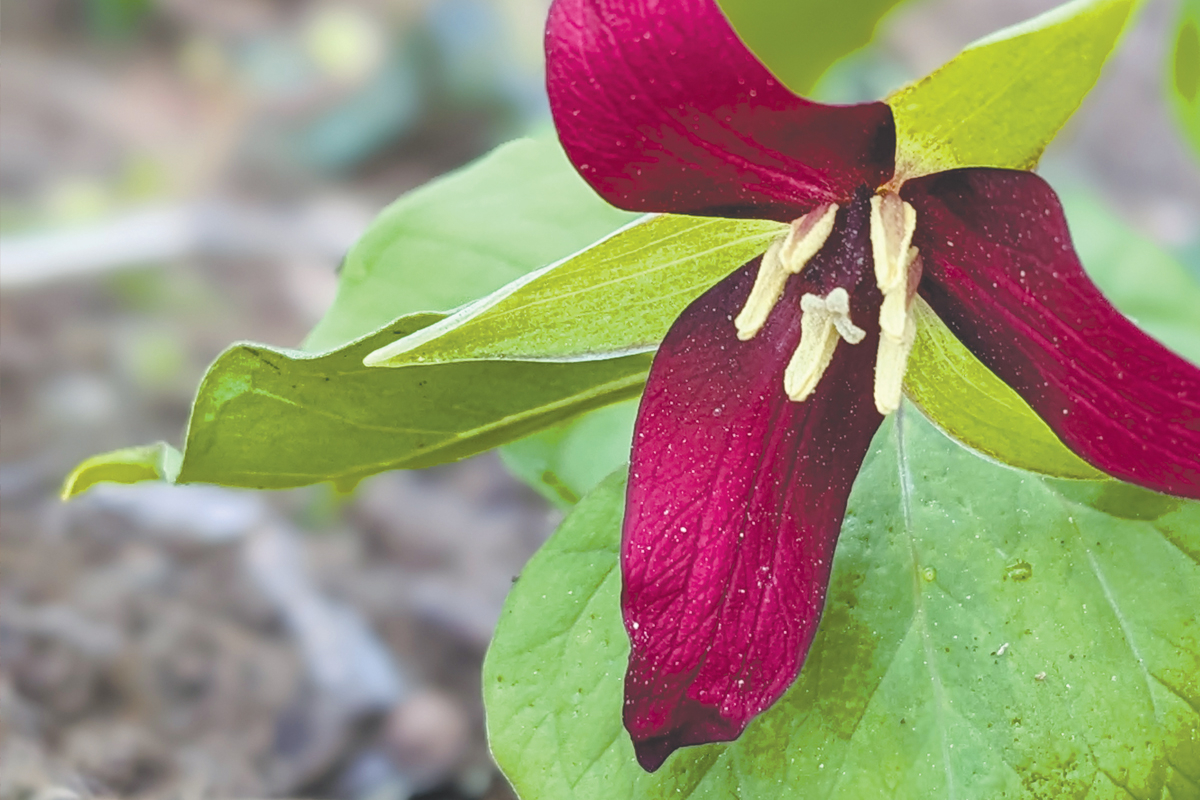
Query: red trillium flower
(765, 394)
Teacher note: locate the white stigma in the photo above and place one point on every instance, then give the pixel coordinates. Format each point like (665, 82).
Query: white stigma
(785, 257)
(897, 271)
(825, 320)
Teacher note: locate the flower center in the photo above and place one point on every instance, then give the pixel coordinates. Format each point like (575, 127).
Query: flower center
(827, 319)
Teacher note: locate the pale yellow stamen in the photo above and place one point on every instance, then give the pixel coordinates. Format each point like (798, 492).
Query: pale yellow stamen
(825, 320)
(893, 222)
(807, 236)
(768, 286)
(890, 364)
(786, 256)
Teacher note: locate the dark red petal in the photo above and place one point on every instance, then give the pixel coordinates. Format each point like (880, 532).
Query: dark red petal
(736, 497)
(1001, 272)
(662, 108)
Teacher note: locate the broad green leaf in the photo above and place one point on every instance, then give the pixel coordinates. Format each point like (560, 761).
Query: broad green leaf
(800, 39)
(1183, 72)
(151, 462)
(984, 636)
(464, 235)
(1001, 101)
(270, 419)
(617, 297)
(566, 462)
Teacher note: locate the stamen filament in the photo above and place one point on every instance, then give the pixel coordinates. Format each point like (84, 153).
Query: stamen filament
(818, 340)
(768, 287)
(893, 222)
(786, 256)
(897, 301)
(891, 361)
(897, 271)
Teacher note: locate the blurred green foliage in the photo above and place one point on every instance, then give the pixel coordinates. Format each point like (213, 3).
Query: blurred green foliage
(115, 18)
(1183, 72)
(798, 40)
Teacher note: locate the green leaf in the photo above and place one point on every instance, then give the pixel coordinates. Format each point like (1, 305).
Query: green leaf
(799, 40)
(1001, 101)
(151, 462)
(1183, 72)
(617, 297)
(1012, 642)
(464, 235)
(566, 462)
(271, 419)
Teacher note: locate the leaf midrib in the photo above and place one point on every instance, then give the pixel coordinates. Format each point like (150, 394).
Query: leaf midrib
(920, 616)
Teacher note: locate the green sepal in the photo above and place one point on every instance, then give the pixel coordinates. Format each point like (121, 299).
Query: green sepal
(617, 297)
(1001, 101)
(967, 401)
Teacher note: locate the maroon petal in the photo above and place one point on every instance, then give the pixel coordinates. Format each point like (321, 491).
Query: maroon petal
(662, 108)
(1001, 272)
(736, 496)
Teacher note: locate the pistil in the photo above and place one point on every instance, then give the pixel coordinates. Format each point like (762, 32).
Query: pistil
(785, 257)
(897, 272)
(825, 320)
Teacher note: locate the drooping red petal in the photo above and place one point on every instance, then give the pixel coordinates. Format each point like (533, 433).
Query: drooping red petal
(1000, 270)
(662, 108)
(736, 497)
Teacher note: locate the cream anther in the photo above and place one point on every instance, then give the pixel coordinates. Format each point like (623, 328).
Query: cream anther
(807, 236)
(897, 265)
(825, 320)
(890, 365)
(892, 224)
(895, 302)
(785, 257)
(768, 286)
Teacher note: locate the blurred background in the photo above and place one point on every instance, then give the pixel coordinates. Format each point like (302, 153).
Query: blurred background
(176, 175)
